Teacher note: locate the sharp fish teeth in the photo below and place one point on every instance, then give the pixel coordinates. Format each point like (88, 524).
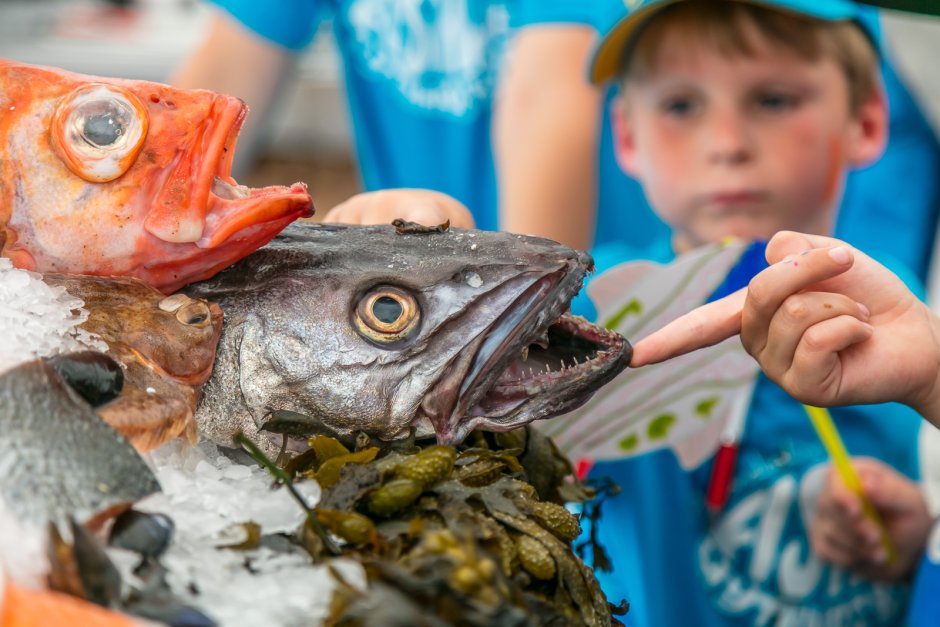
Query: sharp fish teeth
(525, 353)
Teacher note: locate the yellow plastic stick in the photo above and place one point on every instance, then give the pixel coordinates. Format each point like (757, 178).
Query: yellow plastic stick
(829, 435)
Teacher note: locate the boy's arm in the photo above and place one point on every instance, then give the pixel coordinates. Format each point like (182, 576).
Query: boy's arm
(545, 135)
(801, 319)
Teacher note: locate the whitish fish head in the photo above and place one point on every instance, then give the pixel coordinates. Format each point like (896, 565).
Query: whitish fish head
(365, 329)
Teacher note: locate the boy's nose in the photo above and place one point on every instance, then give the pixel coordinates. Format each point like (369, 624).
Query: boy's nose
(727, 140)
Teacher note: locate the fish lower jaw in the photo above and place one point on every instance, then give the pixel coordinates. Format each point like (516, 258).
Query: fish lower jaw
(235, 210)
(558, 372)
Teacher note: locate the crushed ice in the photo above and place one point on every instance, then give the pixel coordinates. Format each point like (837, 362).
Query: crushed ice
(207, 494)
(38, 320)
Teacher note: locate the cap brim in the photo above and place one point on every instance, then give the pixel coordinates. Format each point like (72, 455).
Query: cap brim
(606, 60)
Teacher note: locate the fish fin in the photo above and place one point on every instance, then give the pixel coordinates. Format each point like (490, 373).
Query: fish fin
(149, 420)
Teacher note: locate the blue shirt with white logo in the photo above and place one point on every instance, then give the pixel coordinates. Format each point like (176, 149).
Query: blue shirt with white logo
(419, 78)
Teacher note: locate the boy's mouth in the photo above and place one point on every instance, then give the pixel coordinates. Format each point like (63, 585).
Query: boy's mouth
(737, 198)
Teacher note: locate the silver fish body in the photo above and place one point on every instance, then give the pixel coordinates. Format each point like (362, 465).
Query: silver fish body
(368, 329)
(57, 457)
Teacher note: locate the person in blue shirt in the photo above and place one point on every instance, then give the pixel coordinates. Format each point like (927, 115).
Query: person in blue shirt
(420, 78)
(440, 89)
(863, 337)
(743, 118)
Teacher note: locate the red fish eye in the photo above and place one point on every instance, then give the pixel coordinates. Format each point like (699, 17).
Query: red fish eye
(387, 314)
(98, 130)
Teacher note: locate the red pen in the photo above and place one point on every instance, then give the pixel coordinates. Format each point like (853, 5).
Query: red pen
(726, 457)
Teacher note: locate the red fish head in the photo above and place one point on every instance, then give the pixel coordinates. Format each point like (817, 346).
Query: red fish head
(131, 178)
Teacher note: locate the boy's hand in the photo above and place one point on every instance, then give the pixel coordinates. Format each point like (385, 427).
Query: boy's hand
(827, 323)
(423, 206)
(841, 534)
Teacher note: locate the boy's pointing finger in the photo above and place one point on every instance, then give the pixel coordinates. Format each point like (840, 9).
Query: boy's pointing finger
(701, 327)
(787, 243)
(756, 304)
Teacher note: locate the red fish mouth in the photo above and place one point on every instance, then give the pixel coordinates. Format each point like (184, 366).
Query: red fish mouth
(201, 203)
(234, 208)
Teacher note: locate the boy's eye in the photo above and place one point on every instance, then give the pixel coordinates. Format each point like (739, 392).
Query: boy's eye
(777, 102)
(679, 106)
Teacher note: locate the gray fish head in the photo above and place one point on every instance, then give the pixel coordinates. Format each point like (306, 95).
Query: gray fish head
(365, 329)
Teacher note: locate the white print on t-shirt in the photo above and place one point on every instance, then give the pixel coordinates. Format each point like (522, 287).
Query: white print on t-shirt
(756, 561)
(441, 54)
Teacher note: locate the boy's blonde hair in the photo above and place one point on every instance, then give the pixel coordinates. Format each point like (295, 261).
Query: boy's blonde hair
(723, 26)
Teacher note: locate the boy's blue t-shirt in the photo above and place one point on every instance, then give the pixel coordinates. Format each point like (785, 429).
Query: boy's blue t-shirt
(420, 77)
(751, 564)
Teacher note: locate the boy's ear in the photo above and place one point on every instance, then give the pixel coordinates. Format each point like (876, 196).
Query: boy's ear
(624, 140)
(870, 134)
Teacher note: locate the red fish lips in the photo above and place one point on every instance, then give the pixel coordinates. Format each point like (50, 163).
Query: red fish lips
(201, 204)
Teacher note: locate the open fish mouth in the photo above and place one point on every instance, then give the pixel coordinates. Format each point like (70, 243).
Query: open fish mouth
(534, 362)
(219, 209)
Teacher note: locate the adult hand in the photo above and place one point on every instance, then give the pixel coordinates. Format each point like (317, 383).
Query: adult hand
(826, 322)
(840, 532)
(423, 206)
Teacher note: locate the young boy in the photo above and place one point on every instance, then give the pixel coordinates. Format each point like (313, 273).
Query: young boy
(865, 338)
(742, 118)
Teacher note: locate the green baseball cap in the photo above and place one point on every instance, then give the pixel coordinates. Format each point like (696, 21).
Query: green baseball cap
(623, 29)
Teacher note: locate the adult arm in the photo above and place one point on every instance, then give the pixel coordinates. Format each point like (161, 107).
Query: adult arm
(545, 135)
(233, 60)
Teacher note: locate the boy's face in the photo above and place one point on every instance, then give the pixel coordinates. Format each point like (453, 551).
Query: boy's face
(744, 146)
